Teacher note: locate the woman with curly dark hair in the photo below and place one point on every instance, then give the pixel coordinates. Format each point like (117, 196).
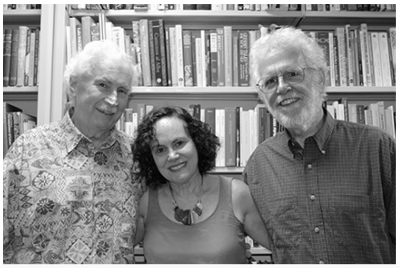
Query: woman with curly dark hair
(187, 215)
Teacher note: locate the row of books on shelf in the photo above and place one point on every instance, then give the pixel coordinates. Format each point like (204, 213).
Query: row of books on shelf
(350, 7)
(180, 7)
(241, 131)
(20, 56)
(374, 114)
(15, 122)
(173, 56)
(359, 57)
(21, 6)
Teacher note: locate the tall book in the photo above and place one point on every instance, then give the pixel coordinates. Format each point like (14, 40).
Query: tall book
(174, 63)
(207, 59)
(349, 55)
(360, 114)
(73, 23)
(322, 38)
(221, 57)
(230, 136)
(14, 57)
(376, 59)
(195, 35)
(7, 125)
(214, 58)
(30, 60)
(392, 51)
(389, 119)
(210, 117)
(145, 52)
(6, 56)
(168, 56)
(235, 59)
(365, 55)
(27, 57)
(22, 41)
(202, 57)
(179, 55)
(136, 46)
(187, 58)
(385, 59)
(220, 133)
(243, 55)
(199, 62)
(238, 153)
(228, 55)
(157, 53)
(87, 22)
(342, 61)
(359, 62)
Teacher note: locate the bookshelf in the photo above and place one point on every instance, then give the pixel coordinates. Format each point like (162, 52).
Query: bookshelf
(34, 100)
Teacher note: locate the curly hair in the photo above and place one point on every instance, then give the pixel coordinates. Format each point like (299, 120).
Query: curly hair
(207, 144)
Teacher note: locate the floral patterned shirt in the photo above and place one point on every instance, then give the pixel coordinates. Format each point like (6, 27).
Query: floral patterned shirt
(65, 201)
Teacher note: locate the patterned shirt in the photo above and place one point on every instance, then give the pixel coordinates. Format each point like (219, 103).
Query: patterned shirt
(65, 201)
(331, 202)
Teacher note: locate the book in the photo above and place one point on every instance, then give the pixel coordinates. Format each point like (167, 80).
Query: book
(220, 133)
(27, 57)
(202, 57)
(179, 55)
(14, 57)
(365, 55)
(243, 55)
(392, 51)
(237, 110)
(360, 114)
(235, 59)
(322, 39)
(30, 60)
(6, 56)
(73, 23)
(7, 125)
(168, 56)
(87, 22)
(342, 61)
(187, 58)
(36, 57)
(221, 57)
(228, 55)
(214, 58)
(136, 46)
(26, 122)
(210, 118)
(128, 121)
(195, 34)
(94, 32)
(174, 63)
(349, 55)
(145, 52)
(157, 53)
(389, 119)
(385, 59)
(381, 113)
(207, 54)
(22, 41)
(352, 108)
(230, 136)
(343, 101)
(376, 59)
(199, 62)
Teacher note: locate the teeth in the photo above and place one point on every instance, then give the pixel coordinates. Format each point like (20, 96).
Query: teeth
(174, 168)
(288, 101)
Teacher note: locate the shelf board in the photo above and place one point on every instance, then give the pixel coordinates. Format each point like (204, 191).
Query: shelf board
(219, 170)
(20, 90)
(19, 17)
(248, 90)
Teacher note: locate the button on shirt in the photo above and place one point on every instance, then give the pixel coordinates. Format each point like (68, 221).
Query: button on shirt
(65, 201)
(334, 200)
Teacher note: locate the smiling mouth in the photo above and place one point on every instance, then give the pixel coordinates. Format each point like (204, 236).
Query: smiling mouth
(106, 112)
(287, 102)
(177, 167)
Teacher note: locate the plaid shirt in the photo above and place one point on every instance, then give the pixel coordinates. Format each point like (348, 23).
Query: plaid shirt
(331, 202)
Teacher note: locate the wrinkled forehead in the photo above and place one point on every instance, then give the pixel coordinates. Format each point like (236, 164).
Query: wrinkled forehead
(280, 60)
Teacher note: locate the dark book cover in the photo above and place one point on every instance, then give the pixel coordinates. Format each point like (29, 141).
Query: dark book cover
(187, 58)
(243, 57)
(7, 56)
(14, 57)
(189, 7)
(209, 118)
(213, 58)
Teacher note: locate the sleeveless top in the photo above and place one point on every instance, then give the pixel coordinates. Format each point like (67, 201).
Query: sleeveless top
(217, 239)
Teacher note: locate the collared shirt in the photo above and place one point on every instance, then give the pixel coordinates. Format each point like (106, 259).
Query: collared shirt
(65, 201)
(333, 201)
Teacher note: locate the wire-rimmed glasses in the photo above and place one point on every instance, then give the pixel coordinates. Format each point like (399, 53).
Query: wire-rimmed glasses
(291, 76)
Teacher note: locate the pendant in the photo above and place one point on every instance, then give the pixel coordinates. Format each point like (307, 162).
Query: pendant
(183, 216)
(198, 208)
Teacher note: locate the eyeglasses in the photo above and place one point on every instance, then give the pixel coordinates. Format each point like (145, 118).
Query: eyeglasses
(292, 76)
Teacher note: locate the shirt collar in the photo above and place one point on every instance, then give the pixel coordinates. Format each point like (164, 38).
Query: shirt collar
(322, 136)
(73, 136)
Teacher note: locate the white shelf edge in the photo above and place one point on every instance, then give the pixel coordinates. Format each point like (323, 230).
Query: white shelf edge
(20, 89)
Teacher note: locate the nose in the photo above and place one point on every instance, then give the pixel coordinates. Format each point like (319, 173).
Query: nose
(112, 99)
(282, 86)
(172, 155)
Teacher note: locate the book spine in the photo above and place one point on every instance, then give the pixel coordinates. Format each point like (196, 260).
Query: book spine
(7, 56)
(322, 39)
(349, 55)
(195, 34)
(360, 114)
(31, 66)
(385, 59)
(331, 60)
(168, 56)
(154, 48)
(342, 56)
(179, 55)
(199, 63)
(214, 58)
(235, 59)
(228, 55)
(208, 58)
(221, 59)
(230, 136)
(237, 132)
(163, 56)
(392, 50)
(365, 55)
(243, 53)
(36, 59)
(336, 62)
(187, 57)
(210, 118)
(27, 58)
(95, 32)
(23, 30)
(371, 58)
(203, 57)
(174, 64)
(136, 45)
(14, 57)
(145, 50)
(87, 21)
(376, 58)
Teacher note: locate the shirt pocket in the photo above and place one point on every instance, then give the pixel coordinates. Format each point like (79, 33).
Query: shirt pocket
(284, 222)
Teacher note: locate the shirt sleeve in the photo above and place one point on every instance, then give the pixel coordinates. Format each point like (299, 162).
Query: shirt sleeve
(389, 195)
(12, 176)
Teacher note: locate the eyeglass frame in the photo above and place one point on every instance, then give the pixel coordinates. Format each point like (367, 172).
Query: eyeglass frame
(266, 91)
